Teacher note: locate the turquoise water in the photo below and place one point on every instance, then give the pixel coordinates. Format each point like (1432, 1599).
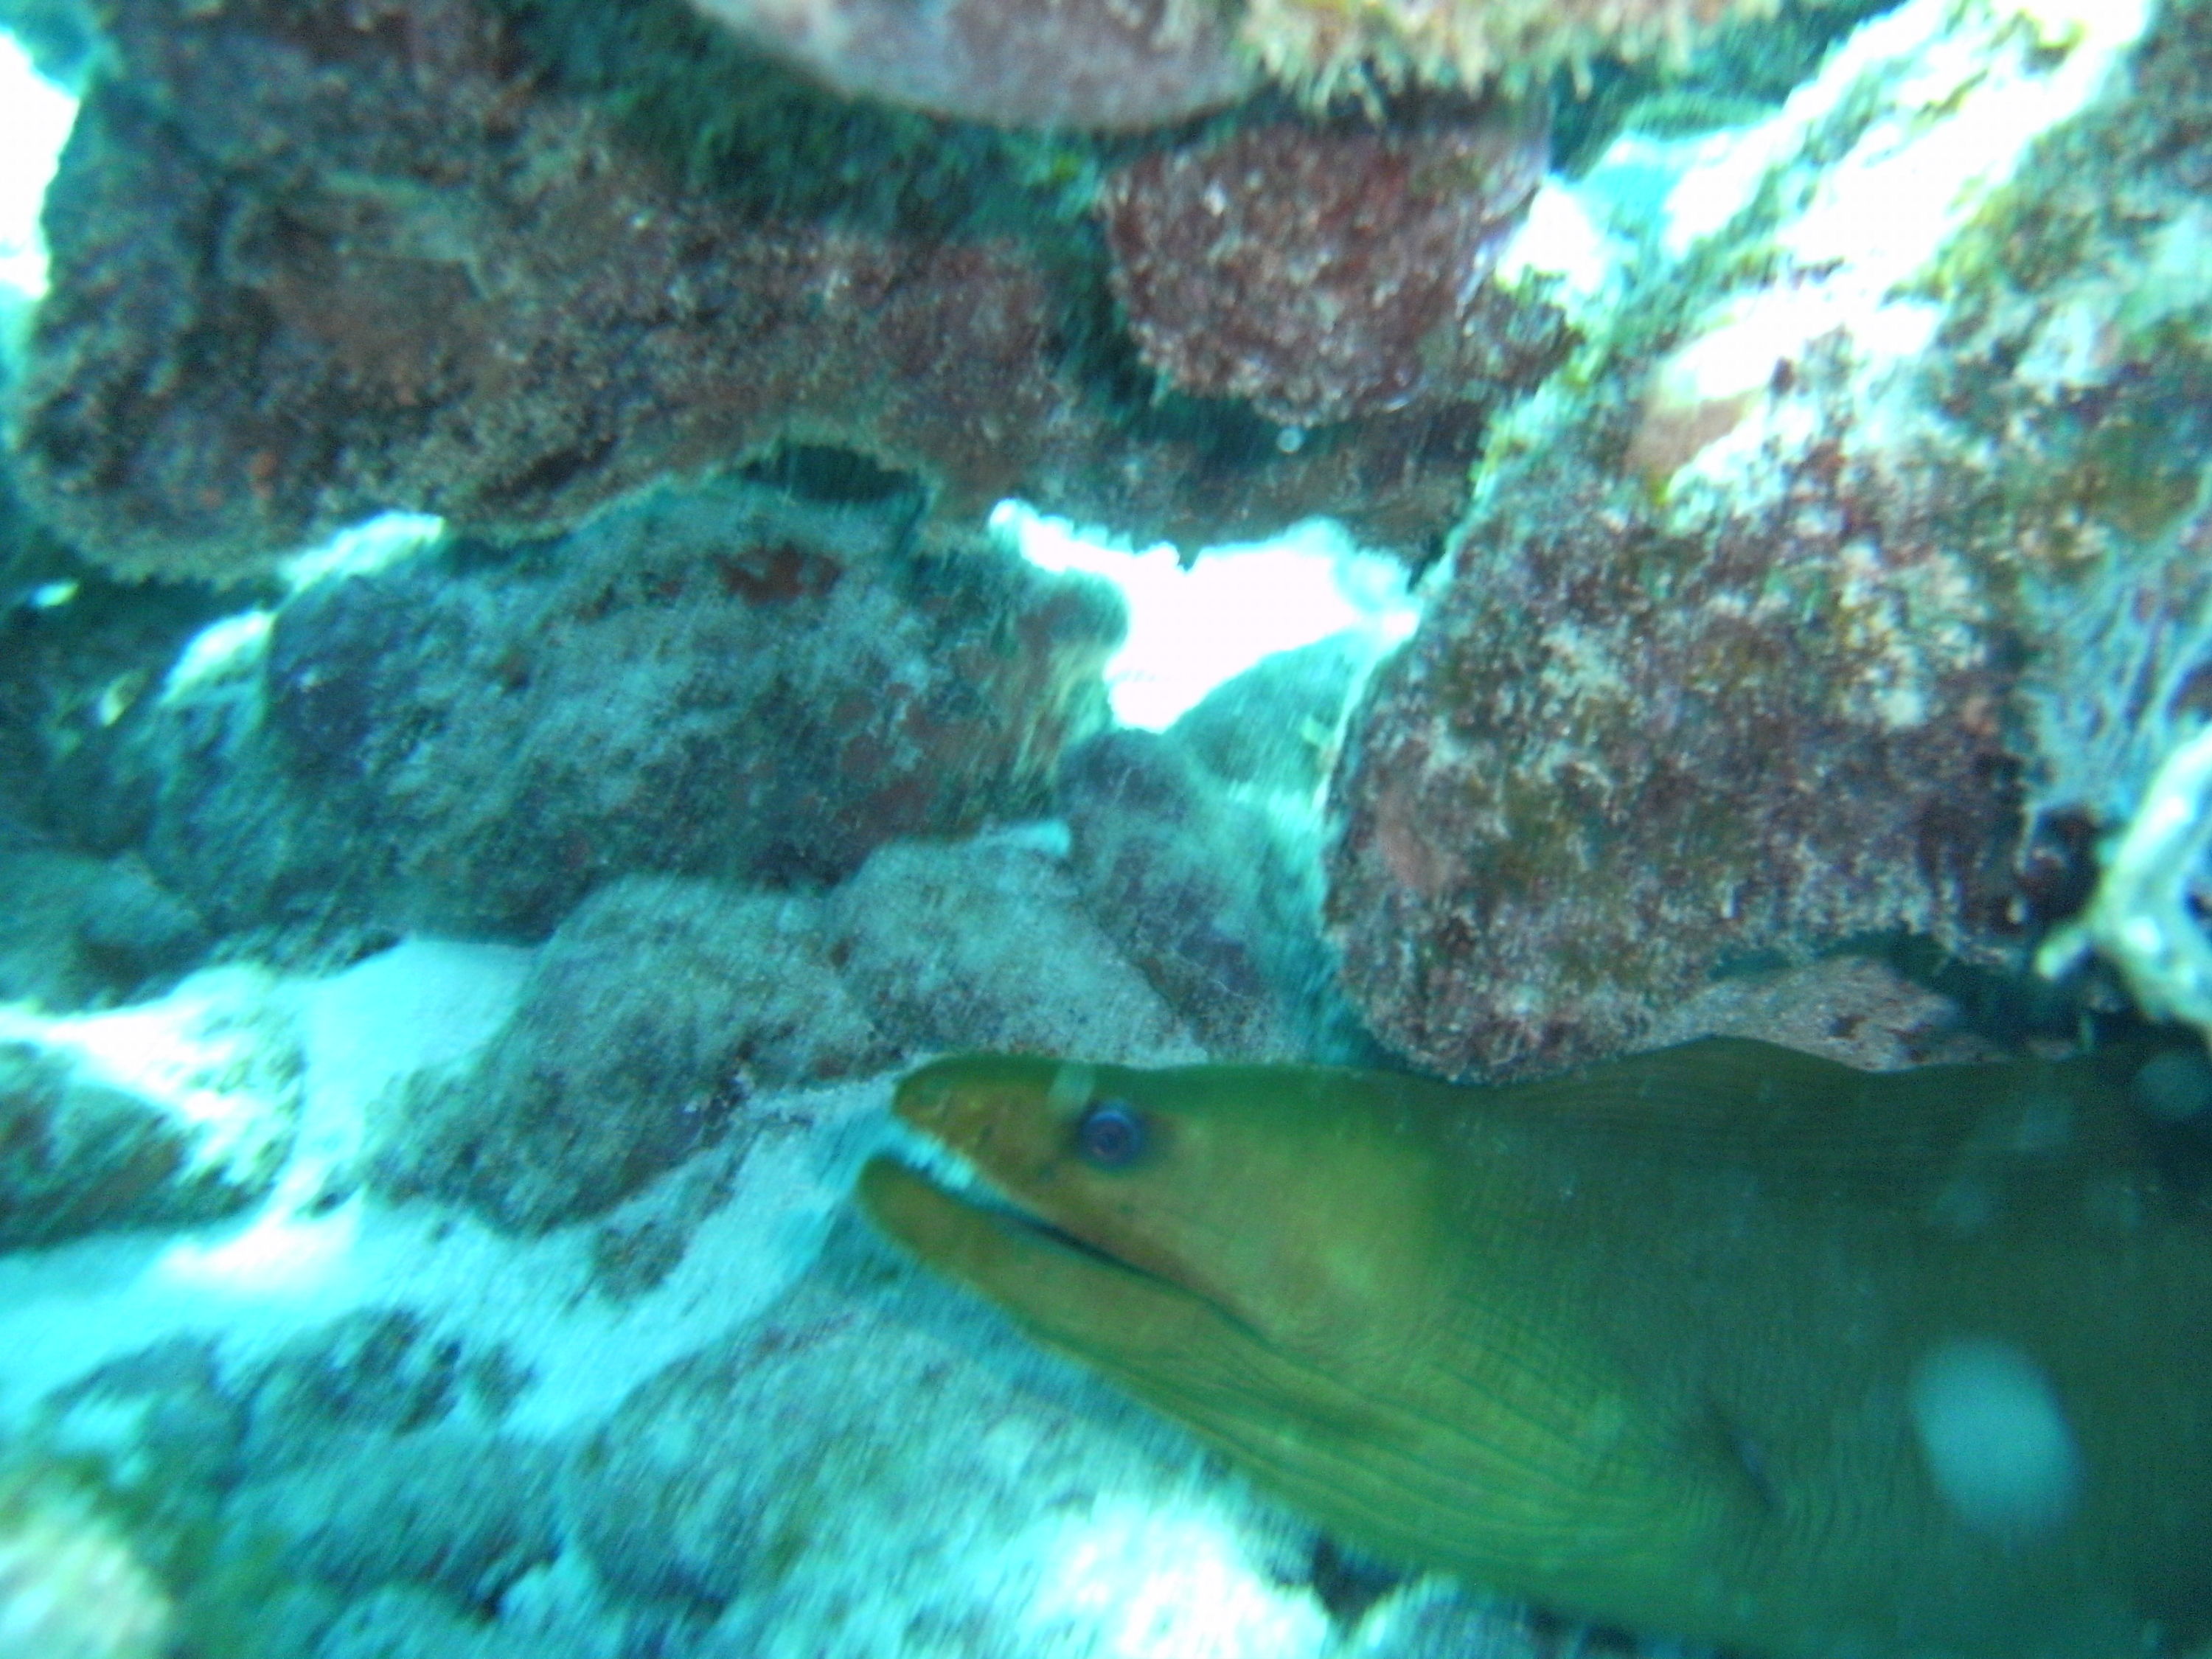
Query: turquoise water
(586, 586)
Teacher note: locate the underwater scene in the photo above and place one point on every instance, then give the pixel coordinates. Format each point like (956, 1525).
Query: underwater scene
(1106, 829)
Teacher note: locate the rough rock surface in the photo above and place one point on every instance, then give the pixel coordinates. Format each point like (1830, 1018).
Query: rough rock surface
(1275, 727)
(1849, 1008)
(317, 260)
(1325, 274)
(986, 945)
(85, 930)
(1613, 757)
(1836, 557)
(776, 1479)
(649, 1019)
(710, 681)
(165, 1115)
(453, 1509)
(1112, 67)
(383, 1371)
(1198, 891)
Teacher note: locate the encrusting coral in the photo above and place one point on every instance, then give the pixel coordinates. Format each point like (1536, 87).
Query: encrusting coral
(1324, 47)
(1112, 67)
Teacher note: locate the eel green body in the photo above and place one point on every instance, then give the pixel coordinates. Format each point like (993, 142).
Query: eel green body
(1727, 1342)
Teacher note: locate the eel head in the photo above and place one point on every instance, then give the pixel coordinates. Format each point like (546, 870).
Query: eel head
(1158, 1221)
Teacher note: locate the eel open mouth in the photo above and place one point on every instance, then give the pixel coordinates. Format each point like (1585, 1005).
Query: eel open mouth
(916, 1178)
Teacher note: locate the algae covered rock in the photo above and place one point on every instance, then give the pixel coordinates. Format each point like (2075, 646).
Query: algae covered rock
(445, 286)
(1199, 891)
(83, 929)
(1326, 274)
(773, 1483)
(509, 263)
(986, 945)
(646, 1023)
(1861, 531)
(713, 682)
(165, 1114)
(1612, 757)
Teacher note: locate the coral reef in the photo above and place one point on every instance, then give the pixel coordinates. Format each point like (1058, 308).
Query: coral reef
(310, 265)
(649, 1018)
(1322, 275)
(1840, 549)
(1033, 63)
(449, 742)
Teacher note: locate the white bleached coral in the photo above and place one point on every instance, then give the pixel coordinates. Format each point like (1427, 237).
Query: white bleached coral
(2140, 918)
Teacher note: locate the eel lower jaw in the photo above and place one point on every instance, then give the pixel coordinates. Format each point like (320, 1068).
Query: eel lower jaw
(929, 1197)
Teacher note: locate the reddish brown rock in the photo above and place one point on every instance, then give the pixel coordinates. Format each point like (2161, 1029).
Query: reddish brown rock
(1614, 759)
(316, 260)
(1322, 273)
(320, 259)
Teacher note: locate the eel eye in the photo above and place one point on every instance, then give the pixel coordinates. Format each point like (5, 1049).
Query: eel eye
(1110, 1135)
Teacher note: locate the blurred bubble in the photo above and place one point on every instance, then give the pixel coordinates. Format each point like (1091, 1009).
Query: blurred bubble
(1995, 1437)
(2173, 1086)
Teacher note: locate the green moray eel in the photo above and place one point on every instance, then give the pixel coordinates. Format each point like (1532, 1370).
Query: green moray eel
(1726, 1342)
